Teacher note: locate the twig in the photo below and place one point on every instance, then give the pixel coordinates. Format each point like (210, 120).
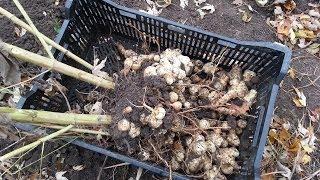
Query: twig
(12, 144)
(34, 144)
(37, 33)
(164, 161)
(65, 97)
(78, 130)
(41, 157)
(30, 79)
(144, 35)
(117, 165)
(45, 156)
(312, 175)
(296, 160)
(101, 168)
(270, 173)
(17, 21)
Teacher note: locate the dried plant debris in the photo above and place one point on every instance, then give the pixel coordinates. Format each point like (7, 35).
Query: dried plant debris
(297, 29)
(289, 147)
(182, 113)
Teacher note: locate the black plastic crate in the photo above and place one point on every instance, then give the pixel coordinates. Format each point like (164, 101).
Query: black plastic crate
(91, 22)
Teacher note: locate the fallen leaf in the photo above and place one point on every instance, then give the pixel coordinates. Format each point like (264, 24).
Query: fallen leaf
(300, 100)
(262, 3)
(97, 68)
(246, 17)
(314, 115)
(307, 149)
(250, 7)
(307, 34)
(96, 108)
(9, 70)
(20, 32)
(78, 167)
(199, 2)
(54, 87)
(294, 145)
(278, 10)
(314, 13)
(279, 1)
(56, 2)
(59, 175)
(184, 3)
(163, 3)
(284, 27)
(289, 5)
(292, 73)
(303, 44)
(285, 171)
(313, 48)
(292, 36)
(305, 159)
(237, 2)
(207, 9)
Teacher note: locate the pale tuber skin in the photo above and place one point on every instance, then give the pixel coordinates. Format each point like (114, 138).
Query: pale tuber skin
(204, 124)
(134, 131)
(199, 147)
(242, 123)
(127, 110)
(232, 138)
(248, 75)
(123, 125)
(173, 97)
(177, 106)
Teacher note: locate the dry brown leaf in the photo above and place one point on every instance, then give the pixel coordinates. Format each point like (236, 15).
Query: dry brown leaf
(305, 159)
(300, 100)
(237, 2)
(59, 175)
(292, 73)
(97, 68)
(78, 167)
(246, 16)
(313, 48)
(163, 3)
(207, 9)
(285, 171)
(96, 108)
(289, 5)
(294, 145)
(284, 27)
(314, 115)
(307, 34)
(184, 3)
(20, 32)
(9, 70)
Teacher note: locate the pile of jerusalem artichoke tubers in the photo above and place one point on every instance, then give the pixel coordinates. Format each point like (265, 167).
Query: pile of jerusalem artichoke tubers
(188, 126)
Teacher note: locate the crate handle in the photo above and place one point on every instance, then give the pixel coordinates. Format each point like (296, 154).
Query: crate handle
(128, 14)
(226, 43)
(176, 28)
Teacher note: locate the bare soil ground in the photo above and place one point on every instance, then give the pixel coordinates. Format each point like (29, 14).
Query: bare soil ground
(226, 21)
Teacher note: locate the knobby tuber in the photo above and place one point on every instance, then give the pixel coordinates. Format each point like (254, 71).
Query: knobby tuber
(181, 117)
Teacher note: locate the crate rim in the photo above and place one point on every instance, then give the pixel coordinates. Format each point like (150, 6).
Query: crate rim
(271, 45)
(269, 109)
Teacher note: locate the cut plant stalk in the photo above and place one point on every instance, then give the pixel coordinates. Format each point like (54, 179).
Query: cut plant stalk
(34, 144)
(37, 33)
(19, 22)
(77, 130)
(41, 117)
(55, 65)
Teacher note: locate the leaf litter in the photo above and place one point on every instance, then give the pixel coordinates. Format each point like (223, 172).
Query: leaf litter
(289, 147)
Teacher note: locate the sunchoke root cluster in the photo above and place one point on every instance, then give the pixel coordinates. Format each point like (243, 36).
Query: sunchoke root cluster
(183, 113)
